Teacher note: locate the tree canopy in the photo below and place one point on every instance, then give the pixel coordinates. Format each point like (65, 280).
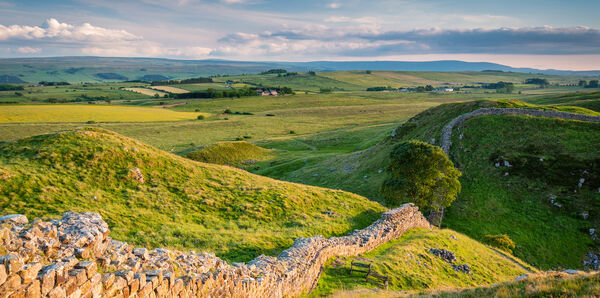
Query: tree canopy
(423, 174)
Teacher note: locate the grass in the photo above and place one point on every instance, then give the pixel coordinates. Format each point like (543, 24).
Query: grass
(169, 89)
(182, 203)
(237, 154)
(84, 113)
(545, 236)
(518, 205)
(550, 284)
(411, 266)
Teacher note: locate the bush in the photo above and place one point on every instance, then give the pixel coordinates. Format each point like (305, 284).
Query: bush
(201, 117)
(501, 241)
(270, 115)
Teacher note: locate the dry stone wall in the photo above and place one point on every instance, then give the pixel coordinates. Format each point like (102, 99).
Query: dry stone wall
(75, 257)
(447, 130)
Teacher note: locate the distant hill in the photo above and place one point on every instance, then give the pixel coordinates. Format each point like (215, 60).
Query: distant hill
(86, 69)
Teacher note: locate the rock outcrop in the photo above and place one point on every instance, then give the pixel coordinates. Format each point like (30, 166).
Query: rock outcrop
(75, 257)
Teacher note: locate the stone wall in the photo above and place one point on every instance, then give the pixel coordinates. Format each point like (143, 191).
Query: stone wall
(75, 257)
(447, 130)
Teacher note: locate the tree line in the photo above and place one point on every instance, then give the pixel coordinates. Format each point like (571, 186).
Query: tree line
(184, 81)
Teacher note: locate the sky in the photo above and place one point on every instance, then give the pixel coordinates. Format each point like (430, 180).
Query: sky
(524, 33)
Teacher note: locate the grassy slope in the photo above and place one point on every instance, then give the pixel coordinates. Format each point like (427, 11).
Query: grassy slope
(552, 284)
(588, 99)
(411, 266)
(490, 203)
(486, 205)
(182, 204)
(237, 154)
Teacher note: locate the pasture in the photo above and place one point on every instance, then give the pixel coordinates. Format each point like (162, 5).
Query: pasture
(85, 113)
(169, 89)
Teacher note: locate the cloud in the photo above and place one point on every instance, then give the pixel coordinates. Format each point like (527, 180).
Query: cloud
(233, 1)
(53, 29)
(334, 5)
(356, 40)
(28, 50)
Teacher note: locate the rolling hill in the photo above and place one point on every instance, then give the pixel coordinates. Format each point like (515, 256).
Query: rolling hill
(156, 199)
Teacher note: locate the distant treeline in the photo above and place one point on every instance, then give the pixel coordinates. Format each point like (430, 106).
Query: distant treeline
(379, 88)
(47, 83)
(7, 87)
(591, 84)
(211, 93)
(274, 71)
(185, 81)
(537, 81)
(501, 87)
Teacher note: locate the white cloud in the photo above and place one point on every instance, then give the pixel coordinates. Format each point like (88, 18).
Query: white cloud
(334, 5)
(28, 50)
(53, 29)
(233, 1)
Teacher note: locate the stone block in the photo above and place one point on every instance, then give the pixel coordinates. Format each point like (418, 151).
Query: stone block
(89, 267)
(13, 263)
(58, 292)
(12, 283)
(30, 272)
(107, 280)
(15, 219)
(33, 290)
(80, 276)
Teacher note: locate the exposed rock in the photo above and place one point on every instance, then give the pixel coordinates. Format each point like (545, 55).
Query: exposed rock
(15, 219)
(462, 268)
(524, 276)
(446, 255)
(137, 175)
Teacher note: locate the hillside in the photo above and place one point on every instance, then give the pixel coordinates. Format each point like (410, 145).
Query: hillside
(237, 154)
(520, 204)
(155, 199)
(411, 267)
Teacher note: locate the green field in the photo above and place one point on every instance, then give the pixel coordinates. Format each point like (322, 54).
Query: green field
(84, 113)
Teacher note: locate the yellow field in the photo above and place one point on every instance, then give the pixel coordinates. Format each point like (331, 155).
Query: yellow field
(84, 113)
(146, 91)
(169, 89)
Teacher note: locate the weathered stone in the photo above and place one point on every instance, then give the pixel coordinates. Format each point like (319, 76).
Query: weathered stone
(47, 279)
(15, 219)
(107, 279)
(3, 275)
(30, 272)
(80, 276)
(89, 267)
(13, 263)
(12, 283)
(58, 292)
(142, 253)
(33, 290)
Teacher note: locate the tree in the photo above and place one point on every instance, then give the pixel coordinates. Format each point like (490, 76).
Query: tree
(423, 174)
(428, 88)
(593, 84)
(582, 83)
(368, 72)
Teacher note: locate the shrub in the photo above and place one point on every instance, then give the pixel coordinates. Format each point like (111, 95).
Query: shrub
(292, 132)
(501, 241)
(228, 111)
(91, 122)
(270, 115)
(200, 117)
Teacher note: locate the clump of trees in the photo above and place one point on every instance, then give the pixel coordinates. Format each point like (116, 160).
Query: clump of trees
(379, 88)
(8, 87)
(47, 83)
(423, 174)
(591, 84)
(184, 81)
(537, 81)
(501, 87)
(274, 71)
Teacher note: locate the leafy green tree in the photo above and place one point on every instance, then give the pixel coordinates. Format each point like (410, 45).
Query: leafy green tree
(593, 84)
(428, 88)
(582, 83)
(423, 174)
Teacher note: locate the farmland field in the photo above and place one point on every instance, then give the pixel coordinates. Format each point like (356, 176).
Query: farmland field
(84, 113)
(146, 91)
(169, 89)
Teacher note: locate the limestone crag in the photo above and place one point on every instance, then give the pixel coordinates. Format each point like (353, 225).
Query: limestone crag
(447, 130)
(65, 258)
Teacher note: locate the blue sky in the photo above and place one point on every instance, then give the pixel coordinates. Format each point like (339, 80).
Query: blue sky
(526, 33)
